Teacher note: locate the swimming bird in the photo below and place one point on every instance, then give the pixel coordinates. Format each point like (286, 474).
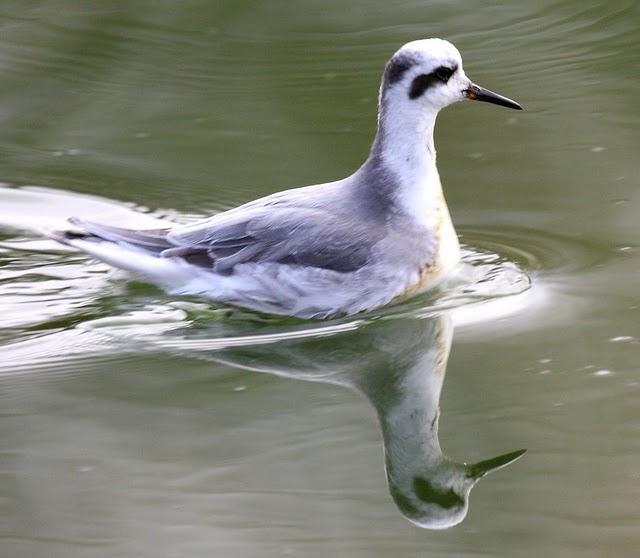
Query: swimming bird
(330, 249)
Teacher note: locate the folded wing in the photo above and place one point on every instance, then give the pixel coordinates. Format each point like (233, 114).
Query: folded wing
(310, 237)
(304, 236)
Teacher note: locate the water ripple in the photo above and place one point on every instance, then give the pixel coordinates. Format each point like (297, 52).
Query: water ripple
(67, 294)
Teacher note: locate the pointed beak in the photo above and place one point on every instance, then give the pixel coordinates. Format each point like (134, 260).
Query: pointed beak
(480, 469)
(477, 93)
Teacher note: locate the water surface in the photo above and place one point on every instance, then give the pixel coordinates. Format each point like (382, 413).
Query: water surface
(136, 423)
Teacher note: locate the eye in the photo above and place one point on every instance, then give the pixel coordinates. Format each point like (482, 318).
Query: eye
(425, 81)
(443, 73)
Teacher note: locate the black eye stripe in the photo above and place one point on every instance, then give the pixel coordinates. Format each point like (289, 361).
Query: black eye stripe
(424, 81)
(421, 83)
(427, 492)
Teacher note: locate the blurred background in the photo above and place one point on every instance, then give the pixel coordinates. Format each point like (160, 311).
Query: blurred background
(185, 108)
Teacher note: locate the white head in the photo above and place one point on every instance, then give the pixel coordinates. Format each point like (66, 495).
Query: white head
(428, 75)
(419, 80)
(425, 74)
(435, 494)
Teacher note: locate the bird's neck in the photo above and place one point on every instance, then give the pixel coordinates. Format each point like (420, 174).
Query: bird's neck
(405, 149)
(410, 433)
(407, 402)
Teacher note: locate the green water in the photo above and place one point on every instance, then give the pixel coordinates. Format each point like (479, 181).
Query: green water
(139, 424)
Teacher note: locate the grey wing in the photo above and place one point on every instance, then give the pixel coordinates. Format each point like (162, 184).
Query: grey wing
(310, 237)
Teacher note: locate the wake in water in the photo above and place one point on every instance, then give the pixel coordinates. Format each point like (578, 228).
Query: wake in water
(59, 303)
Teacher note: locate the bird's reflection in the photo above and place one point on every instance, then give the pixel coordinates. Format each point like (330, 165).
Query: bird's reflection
(399, 365)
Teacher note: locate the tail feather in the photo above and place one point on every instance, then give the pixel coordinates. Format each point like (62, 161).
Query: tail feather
(151, 240)
(145, 253)
(136, 251)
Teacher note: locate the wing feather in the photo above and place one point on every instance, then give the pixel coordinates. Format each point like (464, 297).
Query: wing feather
(290, 227)
(152, 240)
(306, 236)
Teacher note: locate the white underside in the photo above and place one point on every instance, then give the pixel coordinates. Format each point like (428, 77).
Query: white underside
(266, 287)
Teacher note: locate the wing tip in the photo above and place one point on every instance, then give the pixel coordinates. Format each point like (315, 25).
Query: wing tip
(67, 237)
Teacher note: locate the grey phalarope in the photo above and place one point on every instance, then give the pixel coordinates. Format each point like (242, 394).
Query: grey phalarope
(329, 249)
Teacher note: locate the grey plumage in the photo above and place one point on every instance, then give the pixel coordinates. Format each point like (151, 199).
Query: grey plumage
(336, 232)
(290, 231)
